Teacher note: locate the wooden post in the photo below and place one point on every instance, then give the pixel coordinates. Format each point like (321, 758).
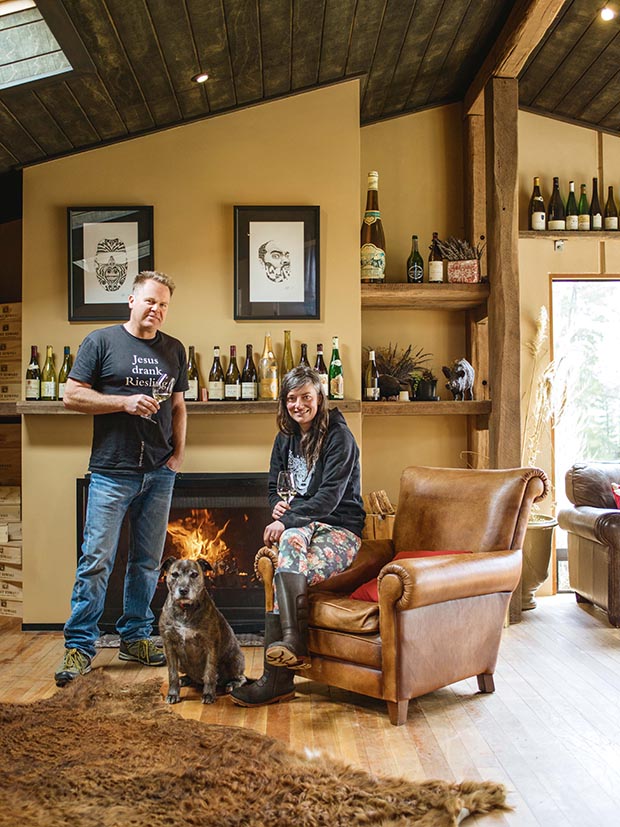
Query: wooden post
(501, 112)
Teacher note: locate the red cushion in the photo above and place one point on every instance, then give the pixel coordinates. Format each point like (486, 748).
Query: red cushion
(615, 490)
(370, 591)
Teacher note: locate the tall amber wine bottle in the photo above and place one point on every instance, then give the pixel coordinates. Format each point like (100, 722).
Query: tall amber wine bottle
(65, 369)
(321, 368)
(232, 382)
(49, 385)
(287, 355)
(216, 378)
(372, 242)
(303, 356)
(249, 377)
(435, 261)
(33, 376)
(611, 211)
(268, 379)
(192, 394)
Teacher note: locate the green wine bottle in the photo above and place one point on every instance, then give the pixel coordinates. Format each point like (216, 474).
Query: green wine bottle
(336, 375)
(65, 369)
(415, 263)
(572, 211)
(49, 384)
(584, 210)
(287, 355)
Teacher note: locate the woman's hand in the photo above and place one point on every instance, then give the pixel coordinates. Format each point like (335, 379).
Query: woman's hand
(272, 532)
(279, 509)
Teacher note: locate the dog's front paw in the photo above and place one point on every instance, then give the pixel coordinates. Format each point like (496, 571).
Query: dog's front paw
(173, 698)
(208, 697)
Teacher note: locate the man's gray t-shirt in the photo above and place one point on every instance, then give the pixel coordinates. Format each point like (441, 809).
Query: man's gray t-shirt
(113, 361)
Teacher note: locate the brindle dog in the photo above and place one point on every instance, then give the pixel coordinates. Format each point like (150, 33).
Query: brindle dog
(198, 640)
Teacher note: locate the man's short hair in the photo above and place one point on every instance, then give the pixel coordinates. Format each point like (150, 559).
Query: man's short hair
(153, 275)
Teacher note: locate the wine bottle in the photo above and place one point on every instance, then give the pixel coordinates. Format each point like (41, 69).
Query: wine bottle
(584, 210)
(303, 356)
(192, 394)
(249, 377)
(321, 368)
(572, 211)
(372, 239)
(33, 376)
(415, 263)
(611, 211)
(336, 375)
(435, 261)
(65, 369)
(268, 384)
(537, 213)
(596, 213)
(232, 382)
(556, 214)
(49, 384)
(371, 380)
(216, 378)
(287, 356)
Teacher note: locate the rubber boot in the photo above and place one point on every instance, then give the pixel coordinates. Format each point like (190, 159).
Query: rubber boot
(292, 650)
(275, 684)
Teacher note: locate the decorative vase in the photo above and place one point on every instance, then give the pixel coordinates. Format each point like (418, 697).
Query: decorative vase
(537, 548)
(426, 391)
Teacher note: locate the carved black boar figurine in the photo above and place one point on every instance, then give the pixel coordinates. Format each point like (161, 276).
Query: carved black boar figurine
(460, 378)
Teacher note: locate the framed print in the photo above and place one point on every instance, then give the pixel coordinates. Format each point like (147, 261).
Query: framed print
(108, 247)
(277, 255)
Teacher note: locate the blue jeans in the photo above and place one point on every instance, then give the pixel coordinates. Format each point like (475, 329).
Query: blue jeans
(147, 498)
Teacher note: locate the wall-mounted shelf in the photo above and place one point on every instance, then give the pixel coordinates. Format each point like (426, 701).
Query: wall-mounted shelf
(598, 235)
(258, 407)
(8, 409)
(423, 296)
(426, 408)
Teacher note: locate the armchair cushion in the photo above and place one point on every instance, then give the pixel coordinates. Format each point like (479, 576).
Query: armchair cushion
(369, 591)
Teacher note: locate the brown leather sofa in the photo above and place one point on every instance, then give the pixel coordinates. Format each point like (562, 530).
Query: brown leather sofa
(438, 619)
(593, 526)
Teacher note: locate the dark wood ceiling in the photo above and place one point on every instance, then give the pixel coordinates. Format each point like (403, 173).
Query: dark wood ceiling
(135, 59)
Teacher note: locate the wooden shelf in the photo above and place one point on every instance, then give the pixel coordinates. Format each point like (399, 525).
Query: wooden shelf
(423, 296)
(599, 235)
(447, 408)
(8, 409)
(193, 408)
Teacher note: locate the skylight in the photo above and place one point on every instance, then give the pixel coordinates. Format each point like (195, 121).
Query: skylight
(28, 49)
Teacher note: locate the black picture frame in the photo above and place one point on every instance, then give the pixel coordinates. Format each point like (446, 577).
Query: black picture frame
(104, 259)
(277, 263)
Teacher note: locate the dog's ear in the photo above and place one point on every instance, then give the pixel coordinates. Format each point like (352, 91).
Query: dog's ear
(166, 565)
(204, 564)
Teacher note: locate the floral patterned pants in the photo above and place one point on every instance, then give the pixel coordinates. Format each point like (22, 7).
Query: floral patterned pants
(317, 550)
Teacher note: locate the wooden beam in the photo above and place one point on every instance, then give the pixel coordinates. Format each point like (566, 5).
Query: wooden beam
(527, 24)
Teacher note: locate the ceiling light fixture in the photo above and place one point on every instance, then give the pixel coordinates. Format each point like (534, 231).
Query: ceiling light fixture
(200, 77)
(608, 13)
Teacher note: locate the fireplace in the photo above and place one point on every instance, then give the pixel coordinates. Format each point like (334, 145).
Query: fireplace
(217, 516)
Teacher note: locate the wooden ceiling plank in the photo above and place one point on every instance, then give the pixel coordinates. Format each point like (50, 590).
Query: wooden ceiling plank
(592, 86)
(16, 138)
(97, 30)
(276, 35)
(367, 25)
(396, 21)
(600, 107)
(94, 98)
(35, 118)
(60, 102)
(244, 40)
(308, 18)
(208, 24)
(527, 24)
(339, 15)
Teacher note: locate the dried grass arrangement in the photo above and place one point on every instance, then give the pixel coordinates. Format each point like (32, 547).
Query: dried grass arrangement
(401, 364)
(455, 249)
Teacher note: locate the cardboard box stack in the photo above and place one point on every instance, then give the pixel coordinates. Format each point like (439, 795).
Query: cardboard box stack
(11, 593)
(10, 352)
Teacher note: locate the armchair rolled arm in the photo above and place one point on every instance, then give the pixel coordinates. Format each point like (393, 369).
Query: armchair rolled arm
(601, 525)
(265, 564)
(423, 581)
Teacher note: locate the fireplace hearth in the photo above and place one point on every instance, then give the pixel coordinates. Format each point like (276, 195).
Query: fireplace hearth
(217, 516)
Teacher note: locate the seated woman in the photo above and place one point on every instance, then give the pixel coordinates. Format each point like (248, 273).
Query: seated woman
(317, 535)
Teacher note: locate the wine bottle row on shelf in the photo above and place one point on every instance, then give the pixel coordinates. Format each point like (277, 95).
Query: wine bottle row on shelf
(572, 214)
(263, 381)
(44, 383)
(372, 246)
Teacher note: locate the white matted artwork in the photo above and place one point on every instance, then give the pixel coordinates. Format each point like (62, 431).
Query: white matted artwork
(110, 261)
(276, 261)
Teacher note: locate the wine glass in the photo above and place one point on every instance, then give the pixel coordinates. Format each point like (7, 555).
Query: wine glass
(162, 390)
(286, 486)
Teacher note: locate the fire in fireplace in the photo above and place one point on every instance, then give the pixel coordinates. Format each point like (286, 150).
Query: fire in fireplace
(220, 517)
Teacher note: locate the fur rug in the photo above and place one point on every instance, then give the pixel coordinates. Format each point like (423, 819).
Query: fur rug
(98, 754)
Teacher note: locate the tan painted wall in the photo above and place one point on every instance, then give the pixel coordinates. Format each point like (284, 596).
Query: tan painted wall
(303, 150)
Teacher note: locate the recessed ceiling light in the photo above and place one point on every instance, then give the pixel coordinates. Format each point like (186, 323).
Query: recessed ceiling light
(200, 77)
(607, 13)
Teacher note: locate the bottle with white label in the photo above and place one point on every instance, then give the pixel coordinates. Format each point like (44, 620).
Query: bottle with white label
(33, 376)
(611, 211)
(249, 377)
(537, 213)
(556, 214)
(572, 211)
(372, 239)
(49, 384)
(232, 382)
(336, 374)
(216, 378)
(64, 372)
(193, 390)
(435, 261)
(268, 374)
(584, 210)
(372, 392)
(321, 368)
(596, 213)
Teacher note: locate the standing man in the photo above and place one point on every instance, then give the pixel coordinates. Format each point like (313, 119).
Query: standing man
(133, 464)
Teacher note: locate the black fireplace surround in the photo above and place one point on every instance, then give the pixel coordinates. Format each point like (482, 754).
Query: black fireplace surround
(217, 516)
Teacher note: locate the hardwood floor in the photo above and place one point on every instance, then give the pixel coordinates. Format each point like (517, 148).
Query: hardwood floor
(551, 731)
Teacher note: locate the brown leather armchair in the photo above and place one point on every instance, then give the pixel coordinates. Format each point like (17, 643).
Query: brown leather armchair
(439, 619)
(593, 526)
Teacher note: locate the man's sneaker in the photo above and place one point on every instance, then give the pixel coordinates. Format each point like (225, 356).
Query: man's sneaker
(142, 651)
(73, 664)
